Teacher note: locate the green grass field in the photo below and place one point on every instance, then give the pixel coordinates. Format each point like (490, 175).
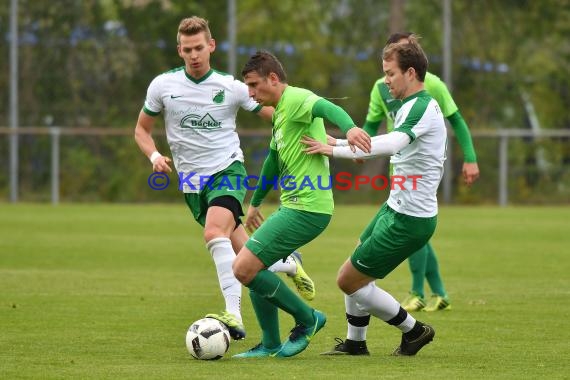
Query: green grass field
(108, 291)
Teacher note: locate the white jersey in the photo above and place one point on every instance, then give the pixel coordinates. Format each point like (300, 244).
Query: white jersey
(200, 119)
(420, 118)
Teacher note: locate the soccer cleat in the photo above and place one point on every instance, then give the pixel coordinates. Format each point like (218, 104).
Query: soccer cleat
(348, 347)
(437, 303)
(413, 302)
(258, 351)
(301, 336)
(411, 347)
(305, 286)
(234, 325)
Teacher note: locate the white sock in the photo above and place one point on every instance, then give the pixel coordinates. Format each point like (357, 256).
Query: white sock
(355, 332)
(289, 266)
(224, 255)
(381, 304)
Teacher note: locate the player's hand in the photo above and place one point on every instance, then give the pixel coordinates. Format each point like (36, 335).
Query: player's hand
(316, 147)
(160, 164)
(470, 172)
(359, 138)
(331, 140)
(253, 219)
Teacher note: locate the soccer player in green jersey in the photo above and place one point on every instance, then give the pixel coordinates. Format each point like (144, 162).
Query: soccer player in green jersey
(306, 202)
(423, 264)
(408, 219)
(200, 106)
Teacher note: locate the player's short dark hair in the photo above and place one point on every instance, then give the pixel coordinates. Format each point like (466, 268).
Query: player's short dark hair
(396, 37)
(265, 63)
(408, 55)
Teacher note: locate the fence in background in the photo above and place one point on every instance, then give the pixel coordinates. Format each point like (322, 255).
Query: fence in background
(517, 165)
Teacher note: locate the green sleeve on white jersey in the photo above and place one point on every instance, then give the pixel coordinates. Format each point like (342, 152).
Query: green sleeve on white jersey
(438, 90)
(413, 117)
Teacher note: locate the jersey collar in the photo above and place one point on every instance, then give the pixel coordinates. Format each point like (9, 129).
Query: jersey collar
(416, 95)
(199, 80)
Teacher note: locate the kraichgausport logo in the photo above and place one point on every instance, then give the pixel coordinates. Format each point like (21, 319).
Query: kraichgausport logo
(341, 181)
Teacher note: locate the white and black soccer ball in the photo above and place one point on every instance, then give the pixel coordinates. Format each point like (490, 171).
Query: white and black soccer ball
(208, 339)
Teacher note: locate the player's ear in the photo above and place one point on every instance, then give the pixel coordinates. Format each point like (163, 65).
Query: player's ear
(273, 78)
(212, 45)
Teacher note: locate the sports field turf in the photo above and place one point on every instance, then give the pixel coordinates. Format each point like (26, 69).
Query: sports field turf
(108, 291)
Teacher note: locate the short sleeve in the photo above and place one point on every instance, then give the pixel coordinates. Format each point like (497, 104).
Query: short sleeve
(411, 124)
(242, 95)
(153, 104)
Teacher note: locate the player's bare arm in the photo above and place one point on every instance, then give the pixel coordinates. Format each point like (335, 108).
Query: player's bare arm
(266, 113)
(143, 137)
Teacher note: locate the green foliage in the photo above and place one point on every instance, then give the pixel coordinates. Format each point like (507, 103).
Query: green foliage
(89, 62)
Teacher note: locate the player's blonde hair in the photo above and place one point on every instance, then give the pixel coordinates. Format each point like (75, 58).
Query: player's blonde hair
(191, 26)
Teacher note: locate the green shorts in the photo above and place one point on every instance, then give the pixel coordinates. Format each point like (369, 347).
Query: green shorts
(229, 181)
(285, 231)
(389, 239)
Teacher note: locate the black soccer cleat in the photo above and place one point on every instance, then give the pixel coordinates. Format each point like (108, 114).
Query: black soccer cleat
(348, 347)
(411, 347)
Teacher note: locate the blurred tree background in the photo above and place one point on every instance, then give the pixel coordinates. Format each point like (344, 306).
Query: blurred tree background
(87, 63)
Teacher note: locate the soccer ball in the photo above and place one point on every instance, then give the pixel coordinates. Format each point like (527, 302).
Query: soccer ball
(208, 339)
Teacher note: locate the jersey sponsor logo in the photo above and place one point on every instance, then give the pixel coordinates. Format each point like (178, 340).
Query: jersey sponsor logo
(218, 96)
(195, 121)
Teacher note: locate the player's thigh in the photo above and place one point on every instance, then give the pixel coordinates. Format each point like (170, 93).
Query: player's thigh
(228, 182)
(394, 238)
(368, 230)
(198, 206)
(285, 231)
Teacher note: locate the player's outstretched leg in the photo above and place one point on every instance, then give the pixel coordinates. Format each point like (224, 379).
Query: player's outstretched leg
(234, 325)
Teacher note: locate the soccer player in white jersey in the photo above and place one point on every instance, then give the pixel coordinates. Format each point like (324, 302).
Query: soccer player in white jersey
(408, 218)
(200, 107)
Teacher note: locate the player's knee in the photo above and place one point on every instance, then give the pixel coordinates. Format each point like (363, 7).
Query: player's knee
(241, 271)
(213, 232)
(343, 283)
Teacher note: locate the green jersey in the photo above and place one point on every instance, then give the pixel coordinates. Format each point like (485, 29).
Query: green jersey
(305, 179)
(383, 105)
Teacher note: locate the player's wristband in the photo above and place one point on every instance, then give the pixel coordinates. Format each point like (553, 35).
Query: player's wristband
(154, 156)
(341, 142)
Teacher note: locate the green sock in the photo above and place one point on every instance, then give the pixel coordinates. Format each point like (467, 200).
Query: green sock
(417, 263)
(432, 273)
(269, 286)
(268, 318)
